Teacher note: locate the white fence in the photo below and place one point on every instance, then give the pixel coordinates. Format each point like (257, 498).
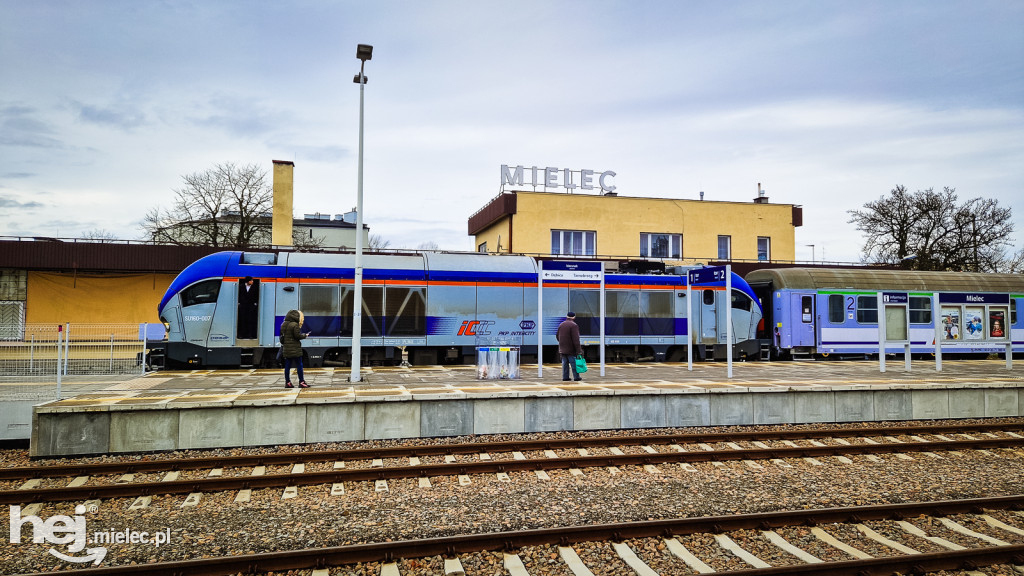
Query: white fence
(39, 351)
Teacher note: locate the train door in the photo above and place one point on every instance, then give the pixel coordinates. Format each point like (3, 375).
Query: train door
(248, 308)
(803, 318)
(708, 315)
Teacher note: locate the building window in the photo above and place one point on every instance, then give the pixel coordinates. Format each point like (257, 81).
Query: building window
(578, 242)
(482, 247)
(661, 245)
(725, 247)
(764, 252)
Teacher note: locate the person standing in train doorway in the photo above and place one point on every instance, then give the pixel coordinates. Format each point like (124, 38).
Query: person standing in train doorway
(248, 308)
(291, 346)
(569, 347)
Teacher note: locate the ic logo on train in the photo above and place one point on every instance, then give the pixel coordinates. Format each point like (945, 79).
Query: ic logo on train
(475, 328)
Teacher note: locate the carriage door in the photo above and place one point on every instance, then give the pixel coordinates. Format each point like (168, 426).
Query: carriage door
(248, 308)
(708, 326)
(803, 319)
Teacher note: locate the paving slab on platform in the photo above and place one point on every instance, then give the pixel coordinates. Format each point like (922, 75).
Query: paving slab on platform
(208, 409)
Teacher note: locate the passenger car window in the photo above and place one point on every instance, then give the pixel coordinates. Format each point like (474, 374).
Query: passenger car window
(867, 309)
(836, 312)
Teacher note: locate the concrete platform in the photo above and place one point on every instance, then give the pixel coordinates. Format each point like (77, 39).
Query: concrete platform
(228, 408)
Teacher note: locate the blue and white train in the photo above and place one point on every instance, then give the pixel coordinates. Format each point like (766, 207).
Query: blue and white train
(438, 307)
(826, 311)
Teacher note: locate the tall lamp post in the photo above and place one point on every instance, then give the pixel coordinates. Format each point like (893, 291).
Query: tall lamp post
(364, 52)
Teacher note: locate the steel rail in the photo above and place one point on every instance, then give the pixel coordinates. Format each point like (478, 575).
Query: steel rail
(513, 540)
(222, 484)
(269, 459)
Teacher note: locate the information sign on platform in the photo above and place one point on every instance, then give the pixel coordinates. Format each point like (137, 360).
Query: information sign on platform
(895, 298)
(707, 275)
(571, 270)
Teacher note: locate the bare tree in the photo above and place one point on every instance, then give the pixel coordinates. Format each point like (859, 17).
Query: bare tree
(227, 205)
(428, 245)
(99, 235)
(377, 242)
(928, 230)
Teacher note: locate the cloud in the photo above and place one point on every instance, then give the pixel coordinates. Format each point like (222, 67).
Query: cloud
(242, 117)
(20, 127)
(124, 118)
(8, 202)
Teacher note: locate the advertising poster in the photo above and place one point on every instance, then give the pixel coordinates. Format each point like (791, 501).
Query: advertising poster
(951, 324)
(973, 327)
(997, 323)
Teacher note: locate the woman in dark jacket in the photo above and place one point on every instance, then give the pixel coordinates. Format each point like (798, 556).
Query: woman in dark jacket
(291, 346)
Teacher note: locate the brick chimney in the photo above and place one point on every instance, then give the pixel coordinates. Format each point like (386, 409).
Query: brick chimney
(284, 180)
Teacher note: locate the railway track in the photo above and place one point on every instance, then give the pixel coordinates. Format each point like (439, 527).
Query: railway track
(972, 549)
(117, 480)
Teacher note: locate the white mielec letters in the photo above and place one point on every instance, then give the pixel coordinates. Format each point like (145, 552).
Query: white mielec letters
(548, 178)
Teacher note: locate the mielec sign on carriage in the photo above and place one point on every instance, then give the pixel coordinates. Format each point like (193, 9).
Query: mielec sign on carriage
(573, 271)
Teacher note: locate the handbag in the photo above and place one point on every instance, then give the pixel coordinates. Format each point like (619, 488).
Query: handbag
(581, 364)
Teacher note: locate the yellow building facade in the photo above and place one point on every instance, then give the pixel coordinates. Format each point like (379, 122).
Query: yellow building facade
(672, 230)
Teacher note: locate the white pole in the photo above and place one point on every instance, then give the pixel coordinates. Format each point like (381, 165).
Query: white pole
(67, 345)
(937, 318)
(689, 323)
(540, 319)
(881, 333)
(728, 317)
(602, 318)
(59, 332)
(357, 297)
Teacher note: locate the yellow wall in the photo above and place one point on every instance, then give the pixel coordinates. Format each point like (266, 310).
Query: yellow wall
(94, 299)
(619, 221)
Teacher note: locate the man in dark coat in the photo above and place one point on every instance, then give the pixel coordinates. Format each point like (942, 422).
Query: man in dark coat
(248, 308)
(569, 347)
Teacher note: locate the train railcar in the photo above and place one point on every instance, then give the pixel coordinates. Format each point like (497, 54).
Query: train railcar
(826, 312)
(436, 307)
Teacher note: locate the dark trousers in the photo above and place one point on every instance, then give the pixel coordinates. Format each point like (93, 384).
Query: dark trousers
(569, 365)
(288, 368)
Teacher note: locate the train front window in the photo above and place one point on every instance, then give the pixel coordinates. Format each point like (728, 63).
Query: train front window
(741, 301)
(867, 309)
(203, 293)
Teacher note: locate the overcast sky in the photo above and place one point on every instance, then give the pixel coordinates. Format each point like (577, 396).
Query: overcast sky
(104, 105)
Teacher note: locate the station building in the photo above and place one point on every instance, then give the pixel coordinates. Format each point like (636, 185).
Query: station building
(598, 221)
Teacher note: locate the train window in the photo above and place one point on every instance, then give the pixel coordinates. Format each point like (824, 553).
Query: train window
(807, 309)
(741, 301)
(1013, 311)
(258, 258)
(203, 293)
(708, 297)
(867, 309)
(836, 309)
(622, 312)
(587, 306)
(656, 315)
(405, 311)
(920, 310)
(321, 308)
(373, 311)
